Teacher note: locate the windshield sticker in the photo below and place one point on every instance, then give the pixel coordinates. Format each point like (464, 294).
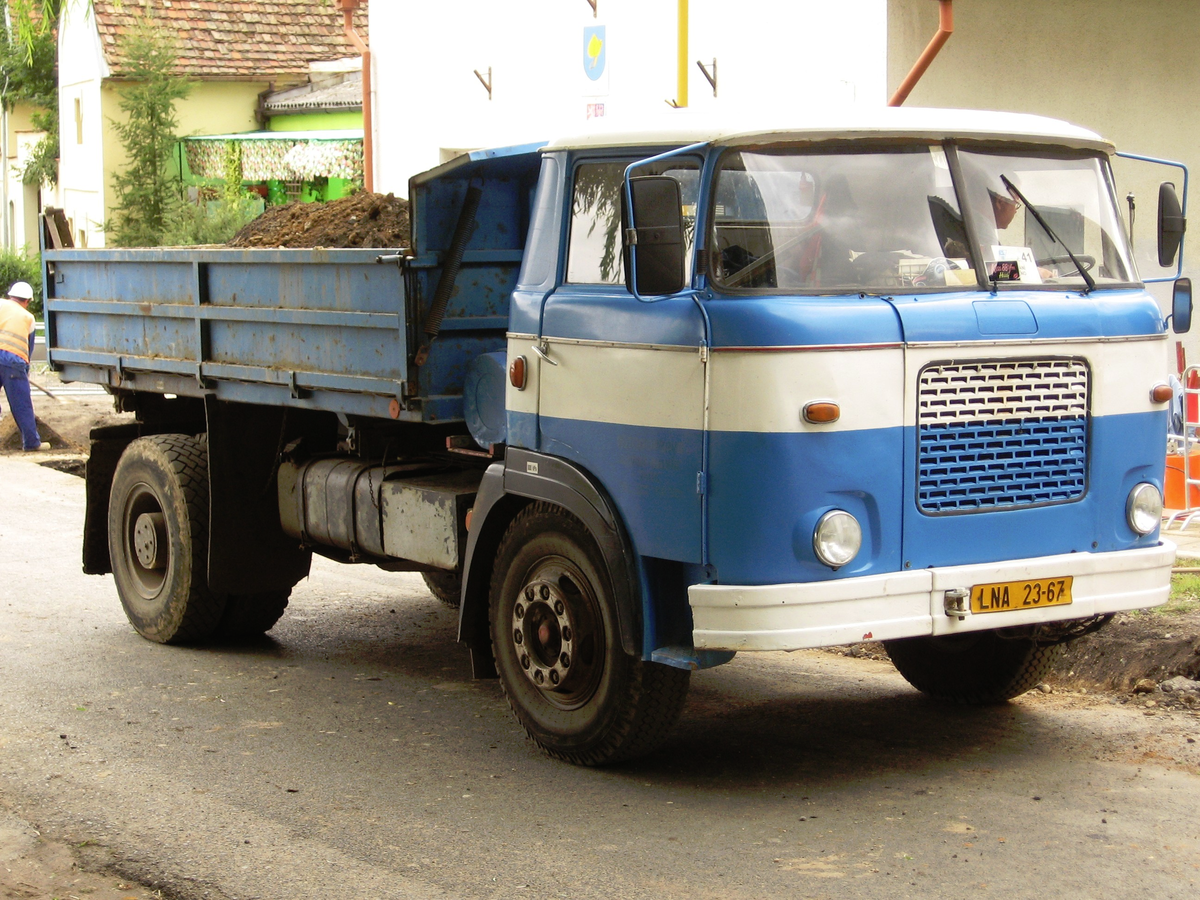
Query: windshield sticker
(1015, 264)
(1006, 270)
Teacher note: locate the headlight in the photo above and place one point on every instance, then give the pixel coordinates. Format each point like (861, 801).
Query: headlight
(1143, 509)
(837, 538)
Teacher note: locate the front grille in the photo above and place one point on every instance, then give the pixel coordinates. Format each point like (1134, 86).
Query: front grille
(1000, 434)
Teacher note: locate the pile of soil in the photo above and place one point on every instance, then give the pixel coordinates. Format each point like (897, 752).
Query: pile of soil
(10, 436)
(1133, 647)
(360, 220)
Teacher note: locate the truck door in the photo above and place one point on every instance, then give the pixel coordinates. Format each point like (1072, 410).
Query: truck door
(621, 381)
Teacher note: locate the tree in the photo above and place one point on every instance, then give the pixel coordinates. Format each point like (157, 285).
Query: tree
(29, 74)
(147, 190)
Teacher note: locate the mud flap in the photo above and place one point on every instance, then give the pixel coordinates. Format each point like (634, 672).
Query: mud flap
(248, 552)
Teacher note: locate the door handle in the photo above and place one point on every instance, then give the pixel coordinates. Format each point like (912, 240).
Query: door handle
(542, 350)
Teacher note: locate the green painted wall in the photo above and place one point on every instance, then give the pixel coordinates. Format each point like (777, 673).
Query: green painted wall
(317, 121)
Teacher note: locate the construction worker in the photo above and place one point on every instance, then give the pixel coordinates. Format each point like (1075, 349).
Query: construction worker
(16, 348)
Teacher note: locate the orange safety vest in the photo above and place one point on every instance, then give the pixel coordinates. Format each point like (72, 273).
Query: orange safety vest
(16, 325)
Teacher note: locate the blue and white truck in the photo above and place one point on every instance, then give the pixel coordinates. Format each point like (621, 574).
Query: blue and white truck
(638, 401)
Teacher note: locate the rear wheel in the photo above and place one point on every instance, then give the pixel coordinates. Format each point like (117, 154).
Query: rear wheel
(251, 615)
(558, 651)
(158, 538)
(446, 586)
(975, 668)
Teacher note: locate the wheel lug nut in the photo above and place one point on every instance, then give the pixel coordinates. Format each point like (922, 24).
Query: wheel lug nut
(553, 677)
(529, 593)
(538, 676)
(545, 592)
(524, 661)
(518, 638)
(519, 611)
(558, 607)
(565, 660)
(566, 633)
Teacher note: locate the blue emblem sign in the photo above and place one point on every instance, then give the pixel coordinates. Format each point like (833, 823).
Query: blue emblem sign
(595, 51)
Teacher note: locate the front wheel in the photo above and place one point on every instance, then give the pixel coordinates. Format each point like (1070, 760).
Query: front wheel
(158, 539)
(558, 651)
(978, 667)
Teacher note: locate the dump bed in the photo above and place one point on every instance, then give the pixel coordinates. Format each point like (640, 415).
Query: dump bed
(337, 330)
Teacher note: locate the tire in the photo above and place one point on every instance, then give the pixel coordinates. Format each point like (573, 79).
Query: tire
(252, 615)
(158, 539)
(975, 668)
(446, 586)
(558, 651)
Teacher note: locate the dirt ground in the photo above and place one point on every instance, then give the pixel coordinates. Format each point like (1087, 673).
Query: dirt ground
(1125, 663)
(65, 413)
(35, 868)
(360, 220)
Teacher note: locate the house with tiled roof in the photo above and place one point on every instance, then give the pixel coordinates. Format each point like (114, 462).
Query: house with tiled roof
(234, 53)
(19, 138)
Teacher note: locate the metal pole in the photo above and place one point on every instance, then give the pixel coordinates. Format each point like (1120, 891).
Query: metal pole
(348, 7)
(681, 69)
(945, 29)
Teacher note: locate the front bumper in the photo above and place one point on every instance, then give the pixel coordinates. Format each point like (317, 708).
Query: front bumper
(912, 604)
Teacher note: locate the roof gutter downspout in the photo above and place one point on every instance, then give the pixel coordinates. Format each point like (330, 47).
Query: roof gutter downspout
(348, 7)
(945, 29)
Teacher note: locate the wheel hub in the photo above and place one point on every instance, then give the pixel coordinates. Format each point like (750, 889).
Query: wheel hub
(150, 540)
(544, 635)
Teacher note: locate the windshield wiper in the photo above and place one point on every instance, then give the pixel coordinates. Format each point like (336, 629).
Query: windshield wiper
(1013, 189)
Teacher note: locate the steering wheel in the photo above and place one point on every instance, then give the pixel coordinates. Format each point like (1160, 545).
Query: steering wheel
(1084, 260)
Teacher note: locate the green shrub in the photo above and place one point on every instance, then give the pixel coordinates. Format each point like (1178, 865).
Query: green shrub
(16, 266)
(211, 222)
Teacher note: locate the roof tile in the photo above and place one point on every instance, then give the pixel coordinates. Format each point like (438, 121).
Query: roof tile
(225, 38)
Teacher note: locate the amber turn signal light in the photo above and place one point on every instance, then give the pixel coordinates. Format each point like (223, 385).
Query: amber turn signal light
(1161, 393)
(516, 373)
(822, 412)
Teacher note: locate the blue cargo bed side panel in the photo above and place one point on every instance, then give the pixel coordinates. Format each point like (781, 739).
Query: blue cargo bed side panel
(305, 319)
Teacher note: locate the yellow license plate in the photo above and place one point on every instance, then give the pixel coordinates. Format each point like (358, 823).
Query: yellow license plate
(1008, 596)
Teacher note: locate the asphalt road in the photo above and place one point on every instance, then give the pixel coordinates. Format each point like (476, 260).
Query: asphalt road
(350, 755)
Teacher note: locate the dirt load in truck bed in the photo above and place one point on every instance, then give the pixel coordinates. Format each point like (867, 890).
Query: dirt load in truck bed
(360, 220)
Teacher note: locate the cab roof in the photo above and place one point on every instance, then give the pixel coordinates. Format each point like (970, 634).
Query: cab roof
(683, 127)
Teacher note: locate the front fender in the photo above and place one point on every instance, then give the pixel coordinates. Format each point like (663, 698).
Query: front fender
(524, 477)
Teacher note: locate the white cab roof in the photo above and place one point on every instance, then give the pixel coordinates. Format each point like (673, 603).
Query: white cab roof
(683, 127)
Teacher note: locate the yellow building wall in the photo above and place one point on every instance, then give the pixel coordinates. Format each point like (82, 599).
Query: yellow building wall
(212, 107)
(21, 209)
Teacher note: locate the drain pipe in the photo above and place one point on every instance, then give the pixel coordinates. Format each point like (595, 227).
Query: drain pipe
(945, 29)
(348, 7)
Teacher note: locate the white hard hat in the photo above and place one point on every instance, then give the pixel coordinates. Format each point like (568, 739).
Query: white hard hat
(21, 291)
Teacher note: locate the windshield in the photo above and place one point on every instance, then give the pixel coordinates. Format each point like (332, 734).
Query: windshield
(892, 220)
(837, 221)
(1073, 198)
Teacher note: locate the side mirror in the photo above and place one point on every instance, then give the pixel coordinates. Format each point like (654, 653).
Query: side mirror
(1171, 224)
(654, 235)
(1181, 306)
